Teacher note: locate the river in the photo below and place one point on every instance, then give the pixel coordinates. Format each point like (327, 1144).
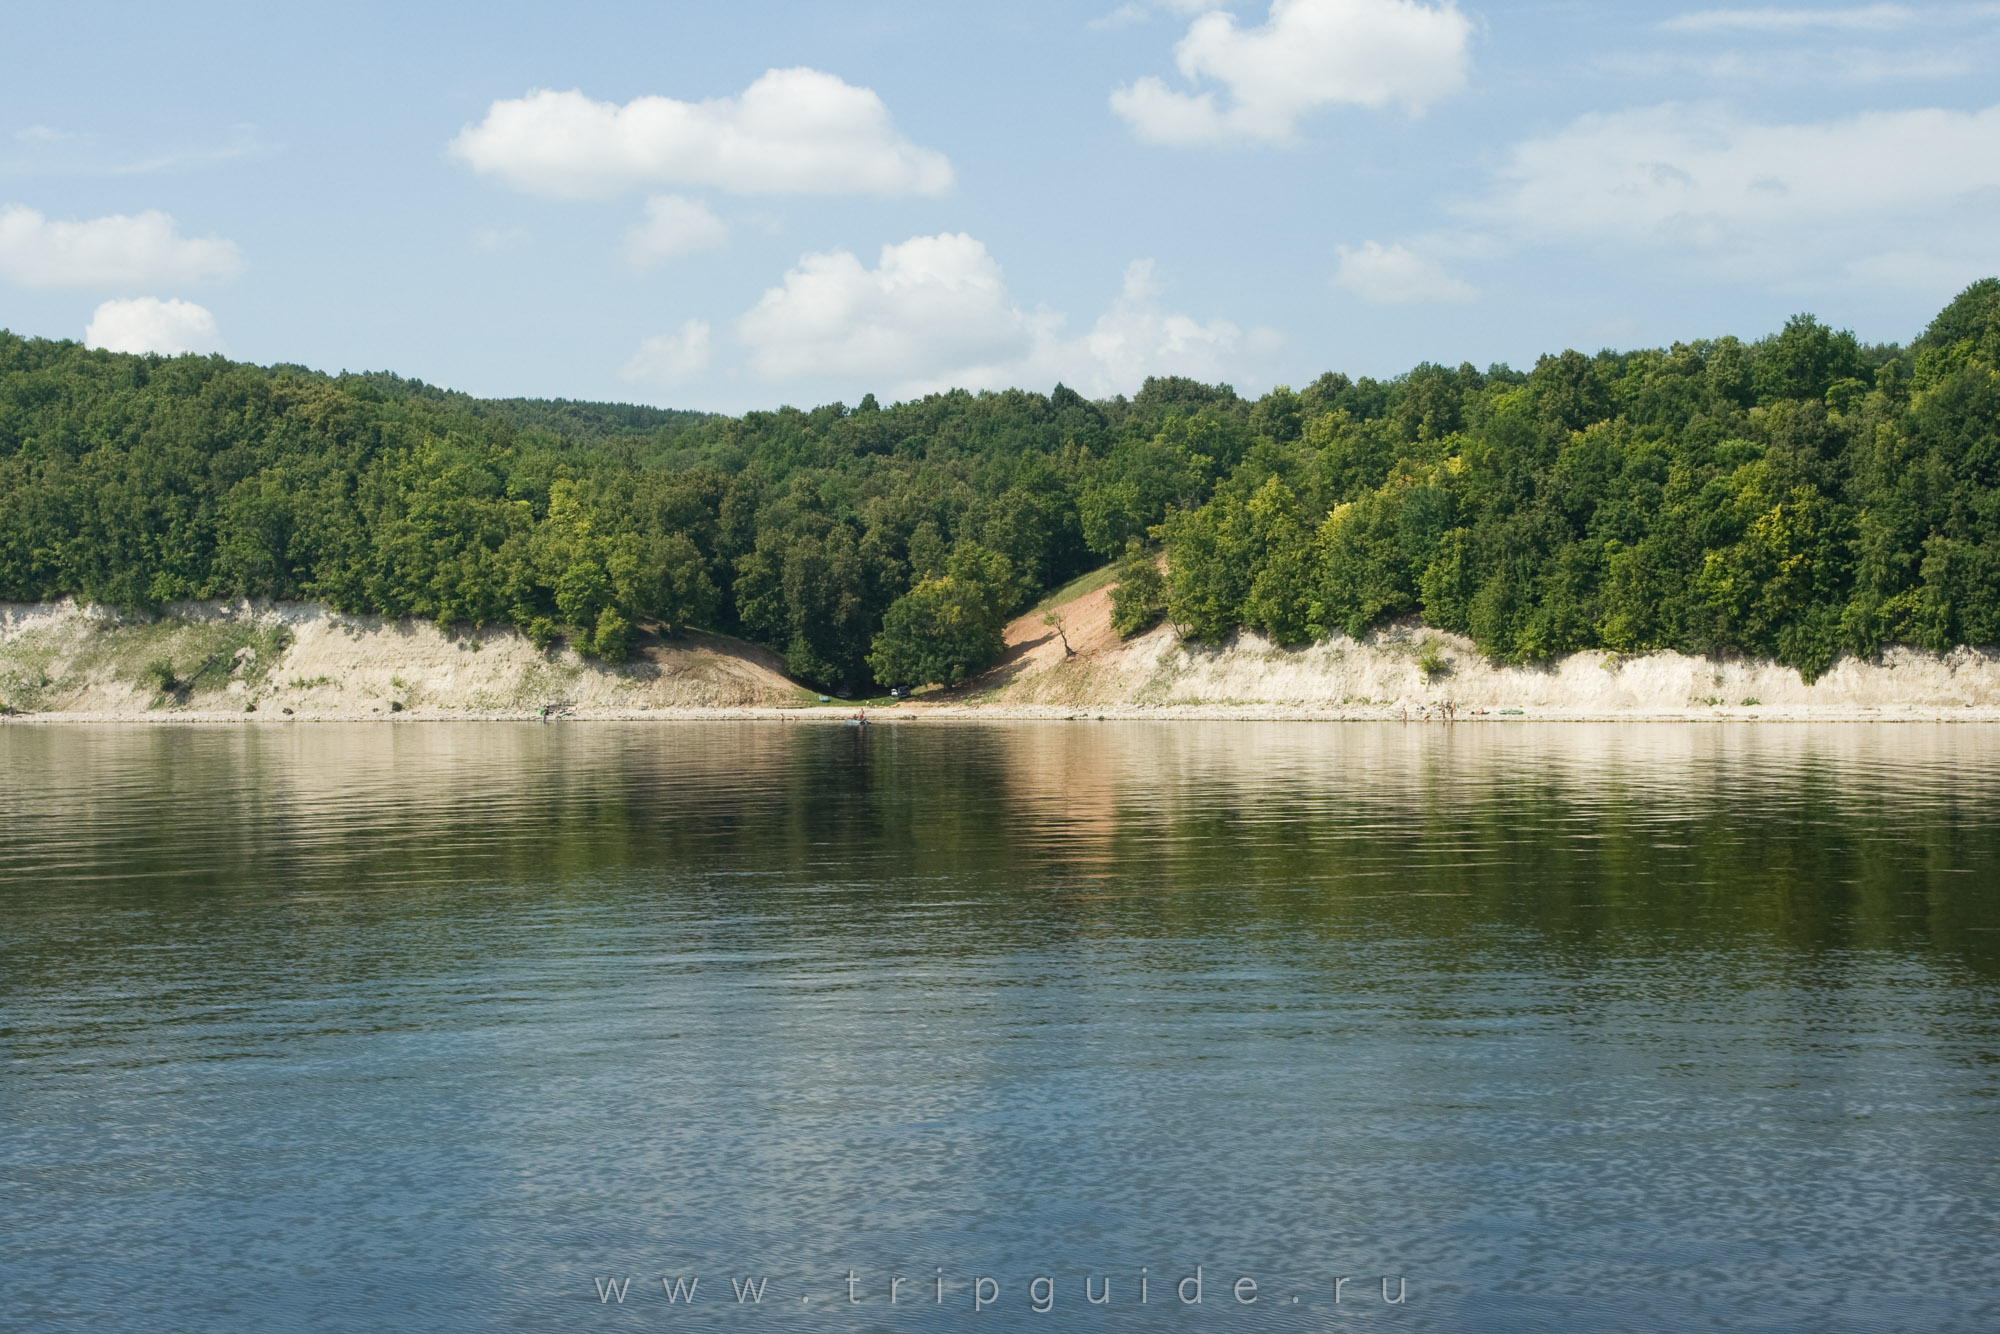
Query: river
(594, 1026)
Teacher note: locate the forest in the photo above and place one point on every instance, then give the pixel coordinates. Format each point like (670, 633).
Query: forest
(1796, 496)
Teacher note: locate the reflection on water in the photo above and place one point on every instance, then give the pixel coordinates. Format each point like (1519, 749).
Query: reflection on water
(1619, 1027)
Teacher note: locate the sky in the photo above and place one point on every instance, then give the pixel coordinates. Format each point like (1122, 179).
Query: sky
(738, 206)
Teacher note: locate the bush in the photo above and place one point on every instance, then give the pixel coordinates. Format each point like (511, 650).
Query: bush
(162, 671)
(1139, 598)
(1432, 661)
(542, 633)
(613, 638)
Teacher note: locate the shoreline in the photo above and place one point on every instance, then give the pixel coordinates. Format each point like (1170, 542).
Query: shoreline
(214, 664)
(836, 716)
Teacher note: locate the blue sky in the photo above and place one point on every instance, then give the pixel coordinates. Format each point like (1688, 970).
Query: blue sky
(738, 206)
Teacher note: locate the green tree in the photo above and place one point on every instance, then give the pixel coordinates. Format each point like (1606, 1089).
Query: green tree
(612, 640)
(1364, 571)
(948, 627)
(1139, 598)
(664, 576)
(1804, 360)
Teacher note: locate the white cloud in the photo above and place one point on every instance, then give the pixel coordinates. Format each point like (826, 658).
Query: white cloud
(142, 248)
(1861, 201)
(1768, 63)
(1136, 338)
(1123, 16)
(1396, 275)
(793, 131)
(1862, 18)
(1703, 177)
(1307, 54)
(935, 312)
(242, 141)
(930, 306)
(49, 149)
(1136, 12)
(1860, 44)
(674, 226)
(148, 324)
(672, 358)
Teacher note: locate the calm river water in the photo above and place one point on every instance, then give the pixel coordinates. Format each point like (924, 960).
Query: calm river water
(447, 1027)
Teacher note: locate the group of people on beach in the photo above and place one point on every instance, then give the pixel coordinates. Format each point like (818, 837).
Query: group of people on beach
(1447, 712)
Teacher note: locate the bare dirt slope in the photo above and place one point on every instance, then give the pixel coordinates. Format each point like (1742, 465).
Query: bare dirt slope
(241, 658)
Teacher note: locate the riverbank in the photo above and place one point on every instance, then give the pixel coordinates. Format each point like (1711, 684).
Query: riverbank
(238, 662)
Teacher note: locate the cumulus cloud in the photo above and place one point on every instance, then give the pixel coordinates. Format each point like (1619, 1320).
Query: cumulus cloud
(935, 312)
(793, 131)
(1136, 338)
(1396, 275)
(141, 248)
(1307, 54)
(148, 324)
(1703, 176)
(674, 225)
(672, 358)
(931, 304)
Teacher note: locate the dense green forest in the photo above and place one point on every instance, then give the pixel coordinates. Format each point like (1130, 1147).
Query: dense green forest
(1797, 496)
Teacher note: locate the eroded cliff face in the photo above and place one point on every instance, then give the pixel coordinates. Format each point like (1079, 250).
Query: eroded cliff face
(1409, 667)
(219, 661)
(232, 659)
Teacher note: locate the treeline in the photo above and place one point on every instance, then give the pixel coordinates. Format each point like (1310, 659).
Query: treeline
(1795, 496)
(864, 544)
